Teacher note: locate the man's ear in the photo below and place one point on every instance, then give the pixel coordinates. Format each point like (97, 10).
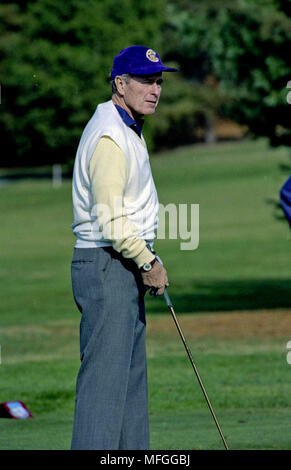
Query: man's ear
(120, 84)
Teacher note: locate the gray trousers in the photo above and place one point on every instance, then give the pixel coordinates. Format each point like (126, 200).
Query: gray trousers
(111, 408)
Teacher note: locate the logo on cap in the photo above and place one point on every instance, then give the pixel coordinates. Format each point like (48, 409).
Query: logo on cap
(152, 55)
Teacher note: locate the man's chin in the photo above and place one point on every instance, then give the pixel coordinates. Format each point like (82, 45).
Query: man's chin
(145, 111)
(149, 110)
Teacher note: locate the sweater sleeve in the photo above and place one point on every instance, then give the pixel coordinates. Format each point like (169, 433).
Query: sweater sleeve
(108, 175)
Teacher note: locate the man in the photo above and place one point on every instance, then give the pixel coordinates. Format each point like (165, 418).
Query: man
(115, 216)
(285, 199)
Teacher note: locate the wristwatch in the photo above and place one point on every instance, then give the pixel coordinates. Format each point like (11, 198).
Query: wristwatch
(148, 266)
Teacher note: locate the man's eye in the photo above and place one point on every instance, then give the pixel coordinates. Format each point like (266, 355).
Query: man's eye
(150, 82)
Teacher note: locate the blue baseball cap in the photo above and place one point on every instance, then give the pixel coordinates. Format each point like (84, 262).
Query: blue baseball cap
(138, 60)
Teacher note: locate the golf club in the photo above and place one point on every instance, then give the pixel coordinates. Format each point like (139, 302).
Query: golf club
(171, 308)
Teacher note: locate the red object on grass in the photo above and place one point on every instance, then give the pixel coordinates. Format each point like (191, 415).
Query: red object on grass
(15, 410)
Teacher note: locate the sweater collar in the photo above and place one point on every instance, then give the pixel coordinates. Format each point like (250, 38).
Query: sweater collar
(136, 126)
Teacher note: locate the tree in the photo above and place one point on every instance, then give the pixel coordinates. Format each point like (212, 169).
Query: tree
(244, 45)
(56, 58)
(186, 113)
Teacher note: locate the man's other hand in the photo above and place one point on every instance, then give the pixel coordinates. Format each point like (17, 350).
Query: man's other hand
(156, 278)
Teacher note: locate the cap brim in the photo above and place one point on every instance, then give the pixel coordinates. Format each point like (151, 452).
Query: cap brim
(152, 70)
(170, 69)
(147, 69)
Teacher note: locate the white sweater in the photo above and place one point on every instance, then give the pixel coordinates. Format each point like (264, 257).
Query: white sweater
(140, 201)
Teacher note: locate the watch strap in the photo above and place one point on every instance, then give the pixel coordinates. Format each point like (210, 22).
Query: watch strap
(150, 262)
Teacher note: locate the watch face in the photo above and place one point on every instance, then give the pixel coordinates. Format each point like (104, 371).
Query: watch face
(147, 266)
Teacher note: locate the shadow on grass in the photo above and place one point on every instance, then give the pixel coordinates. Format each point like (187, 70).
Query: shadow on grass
(215, 296)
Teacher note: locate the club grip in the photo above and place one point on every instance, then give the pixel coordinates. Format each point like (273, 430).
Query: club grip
(167, 298)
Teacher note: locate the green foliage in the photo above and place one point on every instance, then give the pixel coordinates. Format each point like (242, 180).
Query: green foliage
(186, 106)
(57, 58)
(243, 44)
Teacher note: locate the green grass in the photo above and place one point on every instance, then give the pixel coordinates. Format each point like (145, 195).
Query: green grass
(242, 263)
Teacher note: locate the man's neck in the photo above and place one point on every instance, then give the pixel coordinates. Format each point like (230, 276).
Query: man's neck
(120, 102)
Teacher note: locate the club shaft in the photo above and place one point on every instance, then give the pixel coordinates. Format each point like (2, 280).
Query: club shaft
(171, 308)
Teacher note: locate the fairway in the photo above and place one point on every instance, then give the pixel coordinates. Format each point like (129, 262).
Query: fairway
(231, 295)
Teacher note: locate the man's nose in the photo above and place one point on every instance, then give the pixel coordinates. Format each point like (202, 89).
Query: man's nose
(155, 89)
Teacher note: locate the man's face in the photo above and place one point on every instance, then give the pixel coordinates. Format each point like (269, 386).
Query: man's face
(142, 94)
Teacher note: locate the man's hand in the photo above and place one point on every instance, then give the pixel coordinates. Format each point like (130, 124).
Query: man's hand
(156, 278)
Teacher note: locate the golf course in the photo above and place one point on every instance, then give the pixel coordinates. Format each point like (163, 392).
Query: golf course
(231, 296)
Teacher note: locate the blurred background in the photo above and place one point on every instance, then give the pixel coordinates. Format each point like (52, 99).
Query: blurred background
(233, 60)
(220, 138)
